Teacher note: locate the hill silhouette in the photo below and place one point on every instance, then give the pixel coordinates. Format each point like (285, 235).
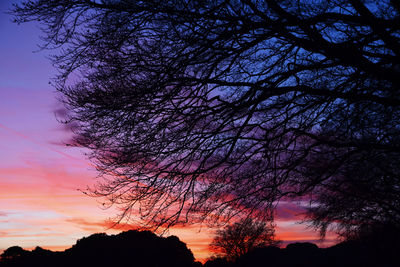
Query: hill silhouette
(131, 248)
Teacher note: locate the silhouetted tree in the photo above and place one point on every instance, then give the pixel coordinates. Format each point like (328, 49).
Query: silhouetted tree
(365, 192)
(238, 239)
(131, 248)
(143, 248)
(371, 245)
(209, 109)
(13, 253)
(376, 246)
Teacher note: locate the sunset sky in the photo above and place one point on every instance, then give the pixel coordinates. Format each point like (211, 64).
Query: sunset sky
(40, 177)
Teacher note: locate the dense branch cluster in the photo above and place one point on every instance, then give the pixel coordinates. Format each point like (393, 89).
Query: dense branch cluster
(211, 109)
(242, 237)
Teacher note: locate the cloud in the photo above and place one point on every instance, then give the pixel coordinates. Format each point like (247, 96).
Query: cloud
(99, 226)
(34, 235)
(287, 211)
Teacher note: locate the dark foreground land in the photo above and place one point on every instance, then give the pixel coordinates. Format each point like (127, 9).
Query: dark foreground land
(143, 248)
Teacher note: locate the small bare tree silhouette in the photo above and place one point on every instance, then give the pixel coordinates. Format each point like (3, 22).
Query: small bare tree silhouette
(241, 237)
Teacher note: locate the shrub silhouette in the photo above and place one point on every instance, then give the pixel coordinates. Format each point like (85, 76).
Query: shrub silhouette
(266, 256)
(218, 262)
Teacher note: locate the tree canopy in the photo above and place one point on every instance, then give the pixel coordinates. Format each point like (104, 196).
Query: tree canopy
(211, 109)
(237, 239)
(130, 248)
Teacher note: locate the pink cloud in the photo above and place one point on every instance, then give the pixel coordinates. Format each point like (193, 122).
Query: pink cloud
(289, 211)
(100, 226)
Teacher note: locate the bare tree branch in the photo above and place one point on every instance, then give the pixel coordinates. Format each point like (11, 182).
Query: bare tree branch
(197, 110)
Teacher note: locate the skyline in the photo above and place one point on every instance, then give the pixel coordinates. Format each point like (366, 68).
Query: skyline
(40, 177)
